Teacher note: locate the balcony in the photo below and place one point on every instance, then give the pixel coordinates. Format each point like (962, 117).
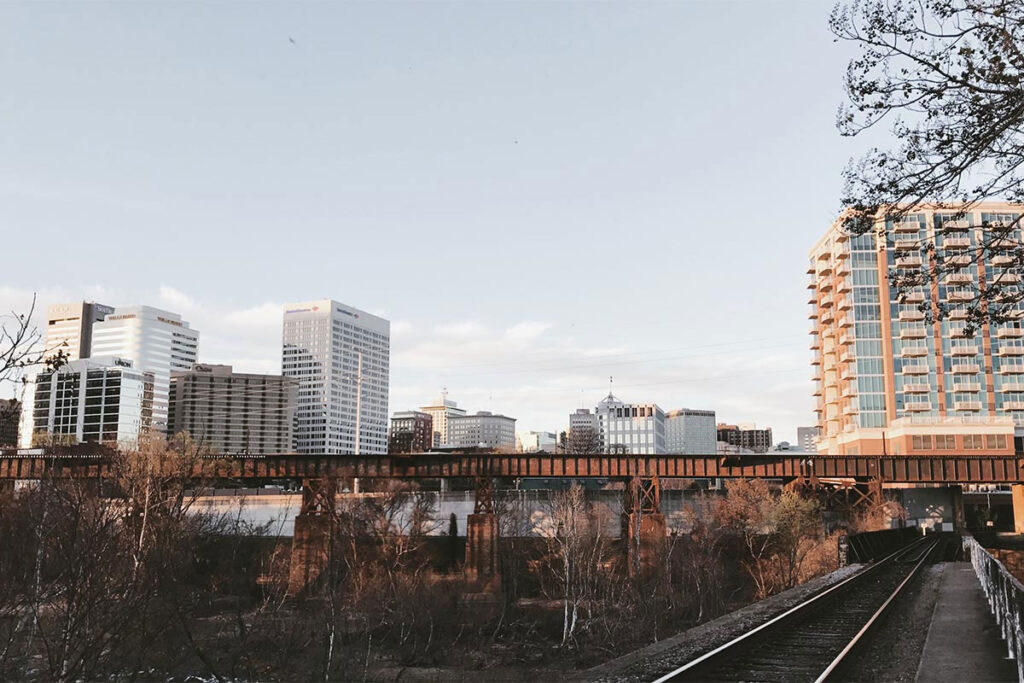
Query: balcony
(1013, 405)
(1011, 351)
(850, 409)
(908, 351)
(963, 350)
(824, 268)
(825, 300)
(846, 321)
(1002, 260)
(917, 406)
(849, 391)
(906, 245)
(843, 268)
(815, 343)
(955, 226)
(915, 369)
(967, 405)
(911, 315)
(964, 369)
(845, 339)
(960, 295)
(841, 253)
(915, 332)
(972, 387)
(914, 297)
(916, 389)
(956, 242)
(909, 262)
(1002, 244)
(1016, 369)
(958, 314)
(1006, 279)
(1012, 386)
(1009, 332)
(827, 315)
(843, 286)
(907, 225)
(962, 260)
(958, 278)
(846, 304)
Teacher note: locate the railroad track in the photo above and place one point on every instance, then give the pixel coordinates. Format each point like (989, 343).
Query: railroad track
(810, 641)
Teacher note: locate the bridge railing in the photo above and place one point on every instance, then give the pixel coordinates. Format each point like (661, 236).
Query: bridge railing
(1005, 597)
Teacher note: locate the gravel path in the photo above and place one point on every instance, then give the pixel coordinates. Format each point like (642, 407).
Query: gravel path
(653, 661)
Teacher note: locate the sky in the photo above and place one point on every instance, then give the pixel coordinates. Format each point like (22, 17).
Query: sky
(543, 198)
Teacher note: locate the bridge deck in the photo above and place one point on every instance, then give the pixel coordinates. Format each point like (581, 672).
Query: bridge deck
(958, 469)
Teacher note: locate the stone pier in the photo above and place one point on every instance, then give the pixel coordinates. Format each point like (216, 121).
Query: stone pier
(643, 525)
(483, 565)
(314, 530)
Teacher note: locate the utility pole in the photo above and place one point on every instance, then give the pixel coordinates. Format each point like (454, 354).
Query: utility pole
(359, 402)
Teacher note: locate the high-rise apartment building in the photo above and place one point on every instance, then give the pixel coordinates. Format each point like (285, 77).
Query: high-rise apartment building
(96, 400)
(636, 428)
(887, 380)
(441, 411)
(157, 341)
(690, 432)
(341, 357)
(233, 412)
(746, 436)
(411, 432)
(484, 430)
(69, 327)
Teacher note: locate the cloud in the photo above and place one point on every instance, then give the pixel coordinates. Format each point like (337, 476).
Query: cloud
(176, 301)
(527, 330)
(264, 316)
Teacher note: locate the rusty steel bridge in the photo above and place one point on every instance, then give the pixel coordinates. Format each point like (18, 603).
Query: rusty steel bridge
(894, 469)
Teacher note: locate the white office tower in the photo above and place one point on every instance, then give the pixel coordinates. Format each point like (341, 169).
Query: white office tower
(631, 428)
(691, 432)
(156, 341)
(341, 357)
(69, 327)
(92, 400)
(440, 412)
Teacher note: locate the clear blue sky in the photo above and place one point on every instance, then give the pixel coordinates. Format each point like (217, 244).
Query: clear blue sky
(538, 195)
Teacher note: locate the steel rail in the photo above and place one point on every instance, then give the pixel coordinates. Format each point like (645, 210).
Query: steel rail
(799, 608)
(876, 616)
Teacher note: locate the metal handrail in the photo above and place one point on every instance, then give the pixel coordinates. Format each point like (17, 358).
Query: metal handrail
(1005, 596)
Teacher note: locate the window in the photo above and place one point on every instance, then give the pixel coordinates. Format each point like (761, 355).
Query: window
(922, 442)
(974, 442)
(945, 441)
(995, 441)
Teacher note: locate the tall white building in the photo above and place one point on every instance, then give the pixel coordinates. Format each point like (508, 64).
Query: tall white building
(157, 341)
(441, 411)
(341, 357)
(691, 432)
(69, 327)
(91, 400)
(532, 442)
(635, 428)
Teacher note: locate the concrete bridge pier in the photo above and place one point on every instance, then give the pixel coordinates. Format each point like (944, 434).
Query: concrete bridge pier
(1017, 494)
(643, 524)
(314, 532)
(482, 562)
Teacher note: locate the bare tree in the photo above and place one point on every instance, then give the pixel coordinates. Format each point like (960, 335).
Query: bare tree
(947, 75)
(583, 441)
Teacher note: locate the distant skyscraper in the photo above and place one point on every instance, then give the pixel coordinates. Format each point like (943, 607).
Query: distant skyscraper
(10, 415)
(636, 428)
(484, 429)
(341, 357)
(156, 341)
(91, 400)
(69, 327)
(690, 432)
(584, 433)
(441, 411)
(233, 412)
(805, 437)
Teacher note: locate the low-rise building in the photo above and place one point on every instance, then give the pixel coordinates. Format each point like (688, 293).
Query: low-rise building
(484, 430)
(533, 442)
(746, 436)
(233, 412)
(412, 431)
(440, 412)
(690, 432)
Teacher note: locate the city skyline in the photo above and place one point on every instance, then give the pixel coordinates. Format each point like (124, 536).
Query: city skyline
(569, 187)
